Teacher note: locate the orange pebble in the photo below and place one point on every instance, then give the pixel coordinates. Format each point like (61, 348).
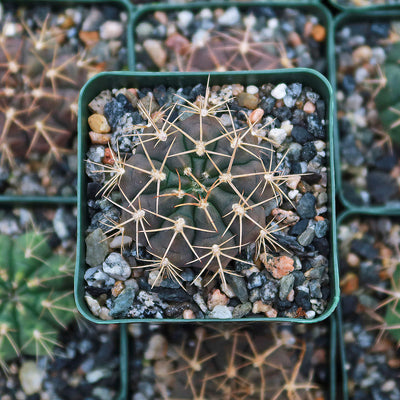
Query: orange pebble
(318, 33)
(108, 157)
(256, 115)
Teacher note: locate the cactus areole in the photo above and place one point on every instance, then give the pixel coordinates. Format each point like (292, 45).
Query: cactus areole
(195, 192)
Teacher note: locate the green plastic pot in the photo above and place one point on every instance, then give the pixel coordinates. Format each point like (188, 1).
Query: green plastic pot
(352, 8)
(111, 80)
(333, 353)
(57, 4)
(340, 21)
(343, 218)
(124, 362)
(308, 6)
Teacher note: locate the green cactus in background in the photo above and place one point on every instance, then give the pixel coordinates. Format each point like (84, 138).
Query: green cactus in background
(195, 192)
(35, 296)
(387, 99)
(392, 317)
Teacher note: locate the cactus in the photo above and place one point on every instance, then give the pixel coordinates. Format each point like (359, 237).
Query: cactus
(392, 315)
(387, 100)
(35, 296)
(194, 193)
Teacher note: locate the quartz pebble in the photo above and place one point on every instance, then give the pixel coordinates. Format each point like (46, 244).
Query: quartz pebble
(279, 92)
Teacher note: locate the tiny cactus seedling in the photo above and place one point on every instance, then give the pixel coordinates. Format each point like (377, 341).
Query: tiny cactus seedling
(195, 193)
(35, 296)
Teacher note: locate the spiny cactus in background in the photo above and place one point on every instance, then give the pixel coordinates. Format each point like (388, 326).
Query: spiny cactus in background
(242, 365)
(231, 51)
(387, 99)
(195, 193)
(391, 321)
(35, 296)
(40, 74)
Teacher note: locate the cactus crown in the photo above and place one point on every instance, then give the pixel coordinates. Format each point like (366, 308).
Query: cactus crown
(387, 99)
(35, 295)
(196, 190)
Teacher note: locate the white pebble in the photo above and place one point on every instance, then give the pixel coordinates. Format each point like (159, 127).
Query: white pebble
(273, 23)
(320, 145)
(292, 194)
(279, 92)
(206, 13)
(252, 89)
(111, 30)
(278, 135)
(287, 126)
(93, 305)
(310, 314)
(230, 17)
(31, 377)
(225, 120)
(361, 74)
(184, 19)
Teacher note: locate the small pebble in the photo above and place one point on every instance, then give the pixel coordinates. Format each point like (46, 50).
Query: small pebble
(278, 266)
(98, 123)
(279, 91)
(156, 51)
(215, 298)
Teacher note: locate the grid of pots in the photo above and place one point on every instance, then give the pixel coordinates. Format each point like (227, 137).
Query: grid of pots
(362, 152)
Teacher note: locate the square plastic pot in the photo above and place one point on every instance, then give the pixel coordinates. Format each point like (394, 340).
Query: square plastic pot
(353, 8)
(333, 354)
(307, 6)
(341, 349)
(112, 80)
(340, 21)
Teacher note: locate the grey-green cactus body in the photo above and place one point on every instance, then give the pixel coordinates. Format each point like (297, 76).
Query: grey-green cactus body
(212, 183)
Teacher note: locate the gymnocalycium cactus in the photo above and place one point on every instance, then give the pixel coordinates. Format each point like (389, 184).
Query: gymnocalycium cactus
(195, 192)
(35, 295)
(388, 99)
(392, 316)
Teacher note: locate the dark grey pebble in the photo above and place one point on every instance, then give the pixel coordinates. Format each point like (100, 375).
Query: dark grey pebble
(302, 299)
(315, 127)
(238, 285)
(306, 206)
(308, 152)
(301, 135)
(381, 187)
(168, 294)
(299, 228)
(321, 228)
(269, 291)
(256, 280)
(122, 303)
(114, 111)
(364, 248)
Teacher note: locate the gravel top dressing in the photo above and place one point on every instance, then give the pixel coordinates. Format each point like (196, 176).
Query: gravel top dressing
(370, 286)
(207, 202)
(205, 39)
(367, 70)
